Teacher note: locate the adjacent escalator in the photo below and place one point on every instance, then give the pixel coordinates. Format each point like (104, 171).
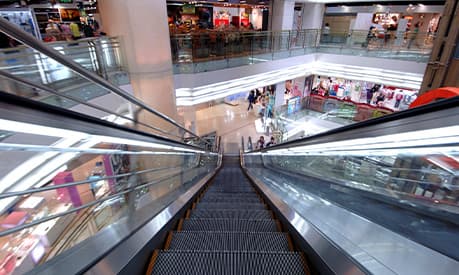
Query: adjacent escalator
(228, 230)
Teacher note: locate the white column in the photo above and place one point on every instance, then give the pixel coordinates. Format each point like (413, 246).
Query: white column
(144, 33)
(313, 14)
(282, 15)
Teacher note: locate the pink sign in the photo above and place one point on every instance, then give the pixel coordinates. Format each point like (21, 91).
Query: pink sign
(67, 194)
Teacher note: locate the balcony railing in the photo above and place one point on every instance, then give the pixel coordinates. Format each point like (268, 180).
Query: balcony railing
(215, 50)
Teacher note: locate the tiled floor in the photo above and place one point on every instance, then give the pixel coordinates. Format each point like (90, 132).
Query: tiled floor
(234, 122)
(230, 122)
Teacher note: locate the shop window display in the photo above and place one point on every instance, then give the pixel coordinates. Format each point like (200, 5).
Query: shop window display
(22, 18)
(356, 100)
(370, 93)
(22, 250)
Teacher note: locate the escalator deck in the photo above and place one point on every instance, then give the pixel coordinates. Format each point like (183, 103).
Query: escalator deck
(229, 230)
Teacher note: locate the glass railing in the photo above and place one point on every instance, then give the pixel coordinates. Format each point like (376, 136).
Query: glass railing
(210, 50)
(65, 179)
(100, 55)
(399, 171)
(287, 124)
(76, 75)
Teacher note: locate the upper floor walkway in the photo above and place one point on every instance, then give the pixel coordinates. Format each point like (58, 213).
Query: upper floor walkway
(211, 65)
(215, 50)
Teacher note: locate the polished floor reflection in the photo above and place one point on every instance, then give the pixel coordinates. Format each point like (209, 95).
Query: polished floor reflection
(231, 123)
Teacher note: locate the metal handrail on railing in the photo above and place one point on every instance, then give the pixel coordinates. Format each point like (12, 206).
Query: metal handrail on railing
(27, 39)
(208, 45)
(89, 204)
(44, 88)
(76, 183)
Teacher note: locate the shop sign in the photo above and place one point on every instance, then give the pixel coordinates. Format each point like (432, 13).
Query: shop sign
(188, 9)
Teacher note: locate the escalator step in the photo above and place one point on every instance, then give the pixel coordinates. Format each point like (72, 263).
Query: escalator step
(222, 263)
(232, 185)
(230, 214)
(225, 199)
(214, 205)
(229, 241)
(229, 225)
(230, 195)
(230, 189)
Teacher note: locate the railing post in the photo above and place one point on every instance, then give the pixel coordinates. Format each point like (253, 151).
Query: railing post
(100, 58)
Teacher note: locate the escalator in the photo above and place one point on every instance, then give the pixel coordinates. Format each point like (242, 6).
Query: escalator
(228, 230)
(295, 208)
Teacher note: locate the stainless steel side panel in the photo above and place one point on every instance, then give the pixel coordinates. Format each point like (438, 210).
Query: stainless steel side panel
(329, 229)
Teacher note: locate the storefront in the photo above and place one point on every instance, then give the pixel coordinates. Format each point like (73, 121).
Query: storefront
(35, 18)
(344, 20)
(373, 94)
(217, 16)
(24, 18)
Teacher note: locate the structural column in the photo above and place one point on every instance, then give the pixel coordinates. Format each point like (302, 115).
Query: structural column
(143, 30)
(443, 67)
(282, 15)
(313, 15)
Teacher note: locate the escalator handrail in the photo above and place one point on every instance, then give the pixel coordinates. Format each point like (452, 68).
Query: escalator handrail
(54, 92)
(409, 113)
(15, 32)
(64, 113)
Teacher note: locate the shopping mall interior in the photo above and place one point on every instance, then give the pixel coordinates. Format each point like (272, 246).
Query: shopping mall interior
(229, 137)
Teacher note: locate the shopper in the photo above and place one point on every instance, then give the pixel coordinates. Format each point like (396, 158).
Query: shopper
(260, 143)
(88, 31)
(53, 32)
(326, 33)
(271, 142)
(251, 100)
(414, 35)
(66, 32)
(75, 29)
(370, 36)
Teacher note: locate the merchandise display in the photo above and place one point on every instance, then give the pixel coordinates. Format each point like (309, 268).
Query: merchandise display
(48, 232)
(23, 18)
(14, 219)
(21, 251)
(373, 94)
(32, 203)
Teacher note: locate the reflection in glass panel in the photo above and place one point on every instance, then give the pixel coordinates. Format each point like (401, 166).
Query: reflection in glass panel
(407, 182)
(60, 187)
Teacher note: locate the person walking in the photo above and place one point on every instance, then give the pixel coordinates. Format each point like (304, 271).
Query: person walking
(260, 143)
(326, 33)
(251, 100)
(271, 142)
(414, 36)
(75, 29)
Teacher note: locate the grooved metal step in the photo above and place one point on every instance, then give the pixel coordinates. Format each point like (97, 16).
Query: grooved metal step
(231, 185)
(229, 225)
(228, 263)
(231, 214)
(229, 241)
(224, 199)
(230, 189)
(215, 205)
(230, 231)
(231, 195)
